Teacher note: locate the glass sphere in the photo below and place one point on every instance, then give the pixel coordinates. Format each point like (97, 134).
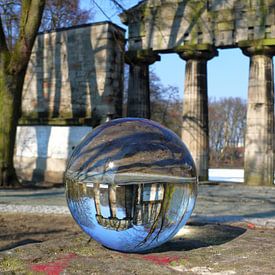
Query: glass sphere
(131, 184)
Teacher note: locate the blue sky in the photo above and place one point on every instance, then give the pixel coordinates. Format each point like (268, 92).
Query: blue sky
(227, 73)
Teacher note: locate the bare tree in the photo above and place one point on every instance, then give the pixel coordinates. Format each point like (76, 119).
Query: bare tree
(57, 14)
(227, 120)
(10, 14)
(13, 65)
(166, 106)
(63, 13)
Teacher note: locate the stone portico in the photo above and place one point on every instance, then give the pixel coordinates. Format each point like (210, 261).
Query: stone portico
(75, 75)
(196, 30)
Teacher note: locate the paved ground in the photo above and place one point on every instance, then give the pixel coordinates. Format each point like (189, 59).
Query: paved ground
(230, 232)
(224, 202)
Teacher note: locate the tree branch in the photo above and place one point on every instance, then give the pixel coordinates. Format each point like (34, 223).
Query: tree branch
(3, 42)
(31, 14)
(118, 5)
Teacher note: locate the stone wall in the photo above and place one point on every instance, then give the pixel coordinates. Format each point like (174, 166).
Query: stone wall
(42, 151)
(167, 25)
(75, 76)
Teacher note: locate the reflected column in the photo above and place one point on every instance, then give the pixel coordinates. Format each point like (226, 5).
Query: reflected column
(138, 104)
(259, 137)
(195, 132)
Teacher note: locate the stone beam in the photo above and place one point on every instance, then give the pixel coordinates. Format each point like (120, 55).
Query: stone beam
(164, 25)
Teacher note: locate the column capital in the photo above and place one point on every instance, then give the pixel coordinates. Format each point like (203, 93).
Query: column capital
(141, 57)
(195, 52)
(258, 50)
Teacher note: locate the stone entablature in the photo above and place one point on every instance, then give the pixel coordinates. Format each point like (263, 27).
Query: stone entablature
(75, 76)
(168, 25)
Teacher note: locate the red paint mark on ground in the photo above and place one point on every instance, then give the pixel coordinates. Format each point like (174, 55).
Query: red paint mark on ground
(56, 267)
(160, 260)
(251, 226)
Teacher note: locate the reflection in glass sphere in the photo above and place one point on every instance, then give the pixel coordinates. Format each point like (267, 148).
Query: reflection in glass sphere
(131, 184)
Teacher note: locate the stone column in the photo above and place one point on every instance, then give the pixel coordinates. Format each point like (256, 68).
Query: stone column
(195, 132)
(259, 137)
(138, 104)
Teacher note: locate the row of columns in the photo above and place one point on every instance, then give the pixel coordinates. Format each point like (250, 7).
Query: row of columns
(259, 138)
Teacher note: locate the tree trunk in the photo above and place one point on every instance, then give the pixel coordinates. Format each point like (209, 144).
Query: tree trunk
(13, 65)
(10, 104)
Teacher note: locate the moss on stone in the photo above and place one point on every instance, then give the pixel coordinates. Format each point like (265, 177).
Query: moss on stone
(58, 121)
(259, 43)
(225, 26)
(225, 15)
(8, 264)
(194, 47)
(85, 251)
(179, 262)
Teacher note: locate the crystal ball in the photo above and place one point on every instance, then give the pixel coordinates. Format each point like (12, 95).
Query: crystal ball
(131, 184)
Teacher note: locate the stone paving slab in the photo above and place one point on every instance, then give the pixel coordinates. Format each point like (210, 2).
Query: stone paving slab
(224, 202)
(199, 249)
(230, 232)
(234, 202)
(52, 196)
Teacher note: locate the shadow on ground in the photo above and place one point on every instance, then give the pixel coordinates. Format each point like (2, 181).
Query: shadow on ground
(194, 236)
(18, 230)
(19, 243)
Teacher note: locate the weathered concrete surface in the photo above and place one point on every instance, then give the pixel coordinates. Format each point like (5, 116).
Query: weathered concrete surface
(231, 232)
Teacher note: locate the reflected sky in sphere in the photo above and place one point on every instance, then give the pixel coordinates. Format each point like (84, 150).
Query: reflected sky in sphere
(131, 184)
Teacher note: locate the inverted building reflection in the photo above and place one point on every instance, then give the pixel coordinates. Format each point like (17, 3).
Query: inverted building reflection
(121, 207)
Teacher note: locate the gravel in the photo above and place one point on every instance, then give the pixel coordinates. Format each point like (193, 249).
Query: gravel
(35, 209)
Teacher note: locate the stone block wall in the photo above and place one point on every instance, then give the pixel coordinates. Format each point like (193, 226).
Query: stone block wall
(75, 76)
